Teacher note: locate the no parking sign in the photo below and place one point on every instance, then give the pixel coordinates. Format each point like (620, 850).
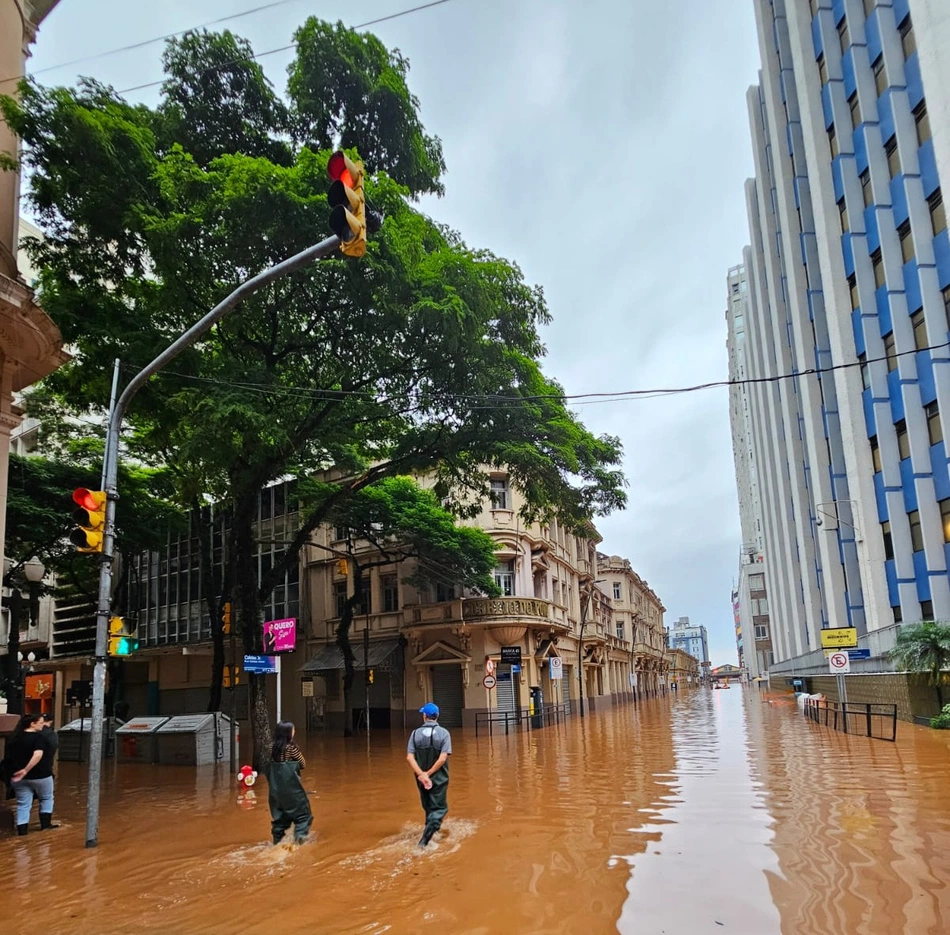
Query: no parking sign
(555, 668)
(839, 663)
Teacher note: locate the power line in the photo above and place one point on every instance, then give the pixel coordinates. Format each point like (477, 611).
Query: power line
(284, 48)
(152, 41)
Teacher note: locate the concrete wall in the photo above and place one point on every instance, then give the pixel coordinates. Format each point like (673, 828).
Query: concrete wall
(912, 694)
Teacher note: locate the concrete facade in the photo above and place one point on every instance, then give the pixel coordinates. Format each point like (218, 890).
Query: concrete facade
(849, 268)
(691, 638)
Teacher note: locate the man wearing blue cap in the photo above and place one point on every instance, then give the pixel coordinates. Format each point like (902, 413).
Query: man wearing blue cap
(428, 755)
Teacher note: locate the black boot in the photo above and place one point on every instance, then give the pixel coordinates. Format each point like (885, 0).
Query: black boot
(427, 835)
(46, 821)
(277, 838)
(22, 829)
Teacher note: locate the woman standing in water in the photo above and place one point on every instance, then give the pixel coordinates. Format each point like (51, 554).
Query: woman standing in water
(287, 799)
(30, 758)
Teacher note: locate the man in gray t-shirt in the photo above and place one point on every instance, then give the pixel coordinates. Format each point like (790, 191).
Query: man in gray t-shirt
(428, 756)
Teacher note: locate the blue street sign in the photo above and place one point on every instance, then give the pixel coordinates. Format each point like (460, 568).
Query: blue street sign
(260, 665)
(859, 653)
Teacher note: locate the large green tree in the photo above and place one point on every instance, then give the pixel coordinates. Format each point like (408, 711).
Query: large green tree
(422, 357)
(924, 648)
(392, 522)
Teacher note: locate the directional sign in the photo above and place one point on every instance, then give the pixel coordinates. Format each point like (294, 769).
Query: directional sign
(489, 682)
(556, 667)
(839, 638)
(260, 665)
(859, 653)
(839, 663)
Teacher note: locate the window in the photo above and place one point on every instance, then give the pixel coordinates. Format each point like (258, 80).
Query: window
(339, 596)
(869, 7)
(854, 105)
(756, 582)
(389, 585)
(833, 141)
(444, 592)
(853, 289)
(893, 157)
(340, 533)
(499, 493)
(761, 632)
(880, 75)
(843, 216)
(898, 615)
(920, 329)
(903, 445)
(907, 242)
(844, 36)
(926, 610)
(877, 264)
(890, 351)
(620, 632)
(946, 305)
(822, 69)
(875, 453)
(938, 212)
(908, 42)
(866, 193)
(923, 123)
(865, 375)
(888, 541)
(934, 431)
(617, 591)
(505, 578)
(945, 518)
(916, 533)
(761, 607)
(366, 599)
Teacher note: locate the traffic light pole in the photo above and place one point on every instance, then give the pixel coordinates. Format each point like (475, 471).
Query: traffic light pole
(110, 470)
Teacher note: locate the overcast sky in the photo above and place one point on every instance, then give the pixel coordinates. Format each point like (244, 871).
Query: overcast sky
(630, 115)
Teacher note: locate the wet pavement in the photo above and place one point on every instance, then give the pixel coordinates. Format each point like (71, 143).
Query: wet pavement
(710, 811)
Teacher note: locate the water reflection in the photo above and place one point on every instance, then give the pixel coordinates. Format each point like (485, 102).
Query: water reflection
(670, 816)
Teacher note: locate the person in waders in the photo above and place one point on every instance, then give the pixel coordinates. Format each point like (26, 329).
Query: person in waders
(428, 755)
(286, 796)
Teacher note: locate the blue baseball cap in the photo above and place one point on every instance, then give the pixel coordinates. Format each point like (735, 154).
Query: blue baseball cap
(429, 709)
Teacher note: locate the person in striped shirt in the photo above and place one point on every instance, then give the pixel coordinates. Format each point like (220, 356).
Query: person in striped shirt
(287, 798)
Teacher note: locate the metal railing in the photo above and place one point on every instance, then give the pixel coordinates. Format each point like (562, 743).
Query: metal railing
(514, 720)
(869, 720)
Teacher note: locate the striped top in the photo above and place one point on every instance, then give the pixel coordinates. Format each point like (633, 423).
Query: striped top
(292, 752)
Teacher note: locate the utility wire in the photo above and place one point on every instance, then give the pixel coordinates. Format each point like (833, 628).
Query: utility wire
(152, 41)
(305, 392)
(291, 45)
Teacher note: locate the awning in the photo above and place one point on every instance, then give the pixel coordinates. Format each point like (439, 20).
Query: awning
(331, 656)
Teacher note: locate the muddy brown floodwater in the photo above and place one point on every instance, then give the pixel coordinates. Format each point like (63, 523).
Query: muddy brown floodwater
(710, 811)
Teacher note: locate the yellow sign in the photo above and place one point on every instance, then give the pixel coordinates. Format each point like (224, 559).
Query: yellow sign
(839, 638)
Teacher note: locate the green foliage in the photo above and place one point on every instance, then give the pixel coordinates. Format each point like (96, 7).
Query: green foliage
(942, 721)
(924, 647)
(401, 520)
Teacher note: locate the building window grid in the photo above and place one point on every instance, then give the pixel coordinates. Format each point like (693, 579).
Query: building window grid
(866, 193)
(916, 533)
(854, 105)
(919, 324)
(822, 69)
(877, 265)
(888, 540)
(907, 241)
(934, 430)
(903, 442)
(945, 518)
(908, 39)
(893, 157)
(922, 121)
(938, 213)
(844, 35)
(890, 351)
(880, 75)
(875, 454)
(843, 216)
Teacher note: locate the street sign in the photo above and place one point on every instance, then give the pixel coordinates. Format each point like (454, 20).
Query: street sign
(511, 655)
(489, 666)
(260, 665)
(859, 653)
(839, 638)
(489, 682)
(556, 667)
(280, 636)
(839, 663)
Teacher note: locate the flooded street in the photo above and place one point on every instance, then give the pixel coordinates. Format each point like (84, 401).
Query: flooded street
(711, 811)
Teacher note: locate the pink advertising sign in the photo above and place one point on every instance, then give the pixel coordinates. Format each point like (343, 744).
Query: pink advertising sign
(280, 636)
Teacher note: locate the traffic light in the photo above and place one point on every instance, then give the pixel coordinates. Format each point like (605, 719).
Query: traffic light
(228, 681)
(122, 641)
(90, 519)
(369, 676)
(341, 567)
(226, 618)
(347, 203)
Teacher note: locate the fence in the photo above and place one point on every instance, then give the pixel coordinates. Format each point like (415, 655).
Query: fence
(869, 720)
(514, 720)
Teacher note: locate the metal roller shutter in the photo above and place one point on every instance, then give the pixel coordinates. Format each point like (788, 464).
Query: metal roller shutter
(505, 688)
(447, 693)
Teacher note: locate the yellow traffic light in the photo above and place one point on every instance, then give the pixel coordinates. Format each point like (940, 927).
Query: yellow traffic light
(226, 618)
(347, 203)
(370, 676)
(231, 676)
(90, 519)
(122, 641)
(341, 567)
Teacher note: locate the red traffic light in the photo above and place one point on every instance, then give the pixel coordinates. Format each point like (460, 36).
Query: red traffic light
(338, 170)
(89, 500)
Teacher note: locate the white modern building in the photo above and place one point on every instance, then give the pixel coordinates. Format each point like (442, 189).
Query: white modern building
(847, 321)
(692, 638)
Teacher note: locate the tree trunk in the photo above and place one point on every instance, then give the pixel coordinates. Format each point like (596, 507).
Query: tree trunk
(211, 589)
(247, 609)
(343, 641)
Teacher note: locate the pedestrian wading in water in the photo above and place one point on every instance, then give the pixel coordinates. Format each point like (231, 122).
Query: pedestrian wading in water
(287, 799)
(428, 756)
(29, 765)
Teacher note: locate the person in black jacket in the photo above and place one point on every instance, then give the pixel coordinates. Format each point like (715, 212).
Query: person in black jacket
(30, 761)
